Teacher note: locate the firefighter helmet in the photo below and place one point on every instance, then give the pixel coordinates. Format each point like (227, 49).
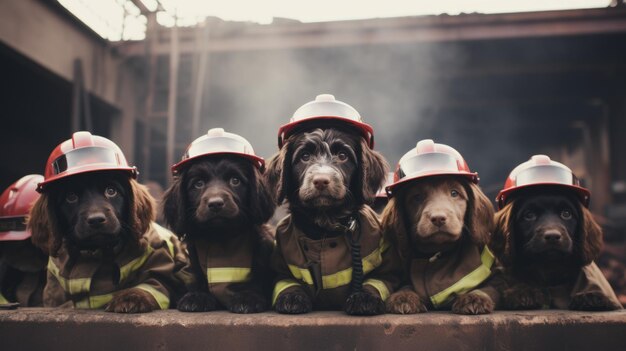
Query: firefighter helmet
(15, 204)
(218, 142)
(324, 111)
(430, 159)
(541, 170)
(84, 153)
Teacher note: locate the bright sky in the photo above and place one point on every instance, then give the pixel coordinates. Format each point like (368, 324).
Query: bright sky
(109, 19)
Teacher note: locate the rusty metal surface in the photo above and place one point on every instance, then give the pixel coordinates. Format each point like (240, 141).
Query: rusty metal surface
(50, 329)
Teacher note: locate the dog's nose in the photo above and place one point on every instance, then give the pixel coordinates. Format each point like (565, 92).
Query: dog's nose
(216, 204)
(438, 220)
(552, 236)
(321, 182)
(96, 219)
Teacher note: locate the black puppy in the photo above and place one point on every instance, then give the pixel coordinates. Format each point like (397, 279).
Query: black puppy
(220, 205)
(99, 227)
(547, 241)
(328, 176)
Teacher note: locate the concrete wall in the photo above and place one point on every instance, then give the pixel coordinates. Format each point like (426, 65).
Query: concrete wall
(39, 329)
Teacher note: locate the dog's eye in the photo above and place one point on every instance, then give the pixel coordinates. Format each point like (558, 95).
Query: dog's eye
(454, 193)
(566, 214)
(305, 156)
(71, 197)
(199, 184)
(530, 216)
(110, 192)
(342, 156)
(234, 181)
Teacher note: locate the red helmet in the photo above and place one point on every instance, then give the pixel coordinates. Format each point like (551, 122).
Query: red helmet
(430, 159)
(84, 153)
(541, 170)
(15, 204)
(323, 111)
(218, 142)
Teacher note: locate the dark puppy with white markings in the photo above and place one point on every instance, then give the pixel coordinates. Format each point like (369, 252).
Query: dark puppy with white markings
(547, 241)
(219, 203)
(330, 250)
(96, 223)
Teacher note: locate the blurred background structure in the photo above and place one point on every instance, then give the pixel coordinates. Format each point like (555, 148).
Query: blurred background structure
(498, 87)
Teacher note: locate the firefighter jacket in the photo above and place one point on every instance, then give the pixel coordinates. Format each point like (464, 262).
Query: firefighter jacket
(442, 276)
(323, 268)
(230, 266)
(23, 286)
(89, 280)
(589, 280)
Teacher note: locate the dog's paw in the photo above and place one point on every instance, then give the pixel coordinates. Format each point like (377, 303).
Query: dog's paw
(405, 302)
(592, 301)
(364, 304)
(293, 302)
(473, 302)
(132, 301)
(197, 302)
(248, 302)
(524, 298)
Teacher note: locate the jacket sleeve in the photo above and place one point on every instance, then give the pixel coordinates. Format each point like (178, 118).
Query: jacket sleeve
(386, 278)
(284, 280)
(53, 293)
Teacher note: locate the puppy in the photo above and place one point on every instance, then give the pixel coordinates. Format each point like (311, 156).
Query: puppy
(327, 177)
(105, 249)
(440, 226)
(221, 206)
(547, 242)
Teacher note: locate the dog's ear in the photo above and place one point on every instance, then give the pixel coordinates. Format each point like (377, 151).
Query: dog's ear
(479, 215)
(174, 207)
(142, 209)
(43, 225)
(262, 204)
(502, 240)
(278, 173)
(372, 171)
(590, 235)
(394, 228)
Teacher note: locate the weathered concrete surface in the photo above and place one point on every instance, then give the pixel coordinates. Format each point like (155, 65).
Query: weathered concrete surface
(49, 329)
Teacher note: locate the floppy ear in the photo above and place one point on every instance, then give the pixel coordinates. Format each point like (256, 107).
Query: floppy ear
(394, 228)
(373, 170)
(262, 205)
(590, 235)
(43, 225)
(502, 240)
(278, 173)
(479, 215)
(174, 207)
(142, 209)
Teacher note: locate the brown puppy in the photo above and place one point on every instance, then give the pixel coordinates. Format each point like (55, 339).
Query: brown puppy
(440, 226)
(547, 242)
(98, 228)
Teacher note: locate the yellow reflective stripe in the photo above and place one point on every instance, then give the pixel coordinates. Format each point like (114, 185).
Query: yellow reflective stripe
(134, 265)
(301, 273)
(280, 286)
(468, 282)
(94, 302)
(161, 298)
(165, 235)
(72, 286)
(341, 278)
(228, 275)
(380, 286)
(3, 300)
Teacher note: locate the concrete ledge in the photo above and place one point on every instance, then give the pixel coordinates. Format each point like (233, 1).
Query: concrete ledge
(53, 329)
